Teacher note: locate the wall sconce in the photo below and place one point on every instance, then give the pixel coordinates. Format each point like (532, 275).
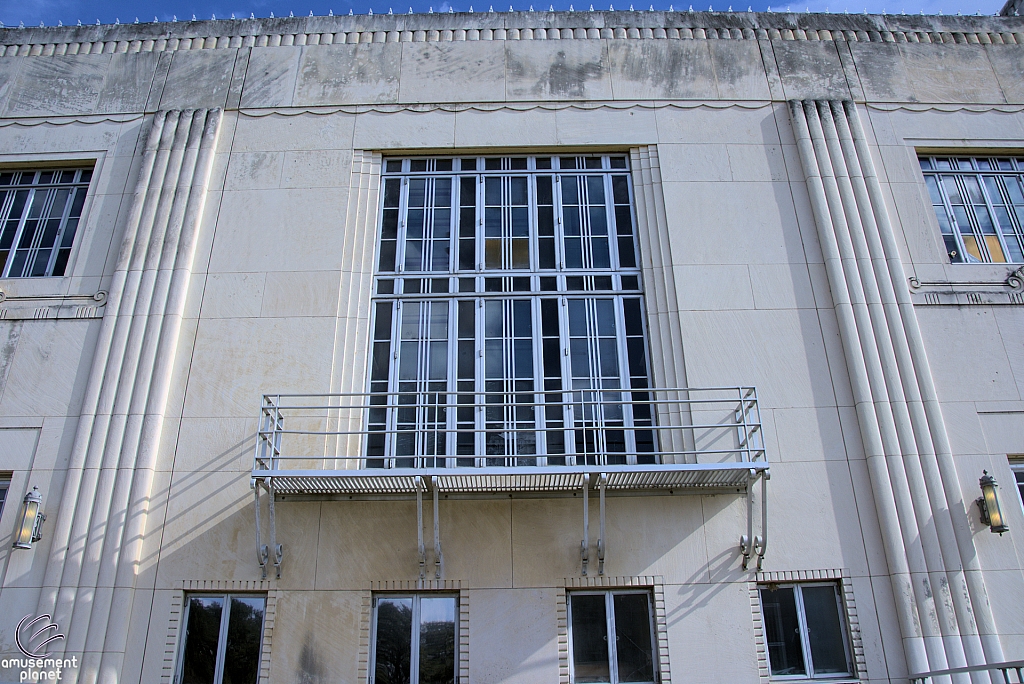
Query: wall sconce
(988, 504)
(30, 522)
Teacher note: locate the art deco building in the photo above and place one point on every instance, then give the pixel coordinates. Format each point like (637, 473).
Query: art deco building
(512, 346)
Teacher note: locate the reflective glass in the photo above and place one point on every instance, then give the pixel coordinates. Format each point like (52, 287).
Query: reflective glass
(437, 640)
(392, 646)
(634, 655)
(202, 634)
(825, 630)
(590, 638)
(245, 636)
(782, 631)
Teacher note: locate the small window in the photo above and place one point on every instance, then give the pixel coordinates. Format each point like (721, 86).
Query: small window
(1017, 466)
(5, 485)
(223, 638)
(39, 215)
(414, 639)
(611, 637)
(805, 631)
(979, 203)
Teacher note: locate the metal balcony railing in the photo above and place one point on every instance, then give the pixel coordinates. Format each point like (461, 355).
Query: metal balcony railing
(400, 442)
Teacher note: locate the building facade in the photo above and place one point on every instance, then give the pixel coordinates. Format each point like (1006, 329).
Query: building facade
(512, 347)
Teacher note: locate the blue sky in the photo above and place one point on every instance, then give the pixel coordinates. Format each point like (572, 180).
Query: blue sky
(32, 12)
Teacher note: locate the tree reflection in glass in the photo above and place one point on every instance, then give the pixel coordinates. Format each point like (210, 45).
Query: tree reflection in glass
(393, 642)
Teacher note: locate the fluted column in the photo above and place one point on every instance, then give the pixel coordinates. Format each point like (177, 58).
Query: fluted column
(917, 494)
(102, 518)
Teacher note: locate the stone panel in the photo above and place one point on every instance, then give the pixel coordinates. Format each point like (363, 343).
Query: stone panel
(557, 70)
(453, 72)
(365, 73)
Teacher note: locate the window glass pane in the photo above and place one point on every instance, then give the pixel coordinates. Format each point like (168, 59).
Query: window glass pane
(201, 635)
(245, 634)
(392, 647)
(590, 638)
(437, 640)
(824, 630)
(634, 654)
(782, 631)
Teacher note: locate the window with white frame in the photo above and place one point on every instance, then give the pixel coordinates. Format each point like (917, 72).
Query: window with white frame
(611, 637)
(508, 315)
(414, 639)
(222, 639)
(1017, 467)
(805, 630)
(39, 214)
(979, 203)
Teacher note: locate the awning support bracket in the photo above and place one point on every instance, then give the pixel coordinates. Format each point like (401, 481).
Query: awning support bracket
(752, 545)
(585, 544)
(263, 551)
(419, 528)
(438, 556)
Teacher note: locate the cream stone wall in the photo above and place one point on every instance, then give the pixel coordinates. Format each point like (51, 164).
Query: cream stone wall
(277, 299)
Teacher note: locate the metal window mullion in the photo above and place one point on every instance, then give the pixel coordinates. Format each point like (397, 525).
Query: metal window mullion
(509, 379)
(479, 244)
(222, 640)
(805, 641)
(556, 199)
(989, 207)
(414, 655)
(452, 386)
(586, 236)
(540, 419)
(596, 378)
(17, 234)
(402, 233)
(629, 427)
(480, 382)
(947, 206)
(972, 217)
(1004, 196)
(565, 368)
(609, 616)
(59, 237)
(427, 251)
(391, 398)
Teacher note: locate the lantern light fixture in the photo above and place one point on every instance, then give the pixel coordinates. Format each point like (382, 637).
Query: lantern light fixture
(30, 521)
(988, 504)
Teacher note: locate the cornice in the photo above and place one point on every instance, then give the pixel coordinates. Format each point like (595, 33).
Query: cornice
(392, 28)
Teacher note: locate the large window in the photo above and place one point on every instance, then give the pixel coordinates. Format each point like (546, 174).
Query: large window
(805, 630)
(414, 639)
(979, 202)
(611, 637)
(508, 315)
(222, 640)
(39, 215)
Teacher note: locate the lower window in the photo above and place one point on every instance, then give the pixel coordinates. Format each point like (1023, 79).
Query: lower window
(223, 638)
(805, 631)
(414, 639)
(611, 637)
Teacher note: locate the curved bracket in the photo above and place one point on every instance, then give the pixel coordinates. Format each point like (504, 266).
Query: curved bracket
(752, 545)
(585, 544)
(602, 482)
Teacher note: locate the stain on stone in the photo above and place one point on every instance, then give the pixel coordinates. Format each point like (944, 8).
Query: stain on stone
(311, 669)
(7, 349)
(570, 80)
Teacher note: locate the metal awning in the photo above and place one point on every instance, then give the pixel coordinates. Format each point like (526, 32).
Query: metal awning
(682, 478)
